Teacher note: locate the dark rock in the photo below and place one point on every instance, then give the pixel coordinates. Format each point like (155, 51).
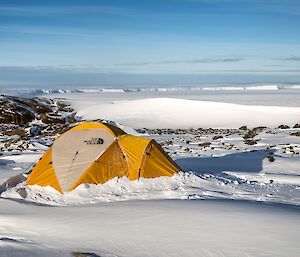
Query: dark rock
(250, 142)
(16, 132)
(12, 182)
(243, 128)
(35, 131)
(254, 132)
(271, 158)
(62, 106)
(283, 127)
(51, 118)
(297, 125)
(217, 137)
(35, 104)
(250, 134)
(259, 129)
(22, 192)
(206, 144)
(84, 254)
(297, 134)
(12, 113)
(21, 111)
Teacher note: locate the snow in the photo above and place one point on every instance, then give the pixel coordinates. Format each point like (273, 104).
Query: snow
(219, 88)
(126, 129)
(185, 185)
(262, 87)
(182, 113)
(293, 86)
(250, 87)
(7, 169)
(150, 228)
(229, 200)
(226, 168)
(22, 158)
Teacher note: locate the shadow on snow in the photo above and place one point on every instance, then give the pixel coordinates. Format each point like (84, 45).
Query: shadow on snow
(243, 162)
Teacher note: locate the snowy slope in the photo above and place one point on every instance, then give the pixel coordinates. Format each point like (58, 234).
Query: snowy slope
(181, 113)
(185, 186)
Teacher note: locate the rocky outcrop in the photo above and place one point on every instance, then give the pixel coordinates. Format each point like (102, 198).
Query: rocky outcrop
(12, 112)
(283, 126)
(22, 111)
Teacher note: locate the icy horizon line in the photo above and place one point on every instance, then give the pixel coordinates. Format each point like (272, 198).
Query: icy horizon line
(155, 88)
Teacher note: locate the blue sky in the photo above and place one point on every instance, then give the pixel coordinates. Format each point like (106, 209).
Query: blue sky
(149, 41)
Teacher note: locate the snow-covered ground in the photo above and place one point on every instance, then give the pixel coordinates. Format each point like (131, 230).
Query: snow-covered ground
(213, 228)
(189, 214)
(182, 113)
(186, 109)
(216, 163)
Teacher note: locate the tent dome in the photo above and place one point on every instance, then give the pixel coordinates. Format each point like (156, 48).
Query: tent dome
(94, 153)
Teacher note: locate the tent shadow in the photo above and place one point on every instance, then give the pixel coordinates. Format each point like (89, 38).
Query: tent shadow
(243, 162)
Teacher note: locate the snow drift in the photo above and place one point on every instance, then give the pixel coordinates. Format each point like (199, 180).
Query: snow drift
(181, 113)
(150, 228)
(183, 186)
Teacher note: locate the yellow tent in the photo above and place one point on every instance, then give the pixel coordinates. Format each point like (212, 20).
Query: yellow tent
(94, 153)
